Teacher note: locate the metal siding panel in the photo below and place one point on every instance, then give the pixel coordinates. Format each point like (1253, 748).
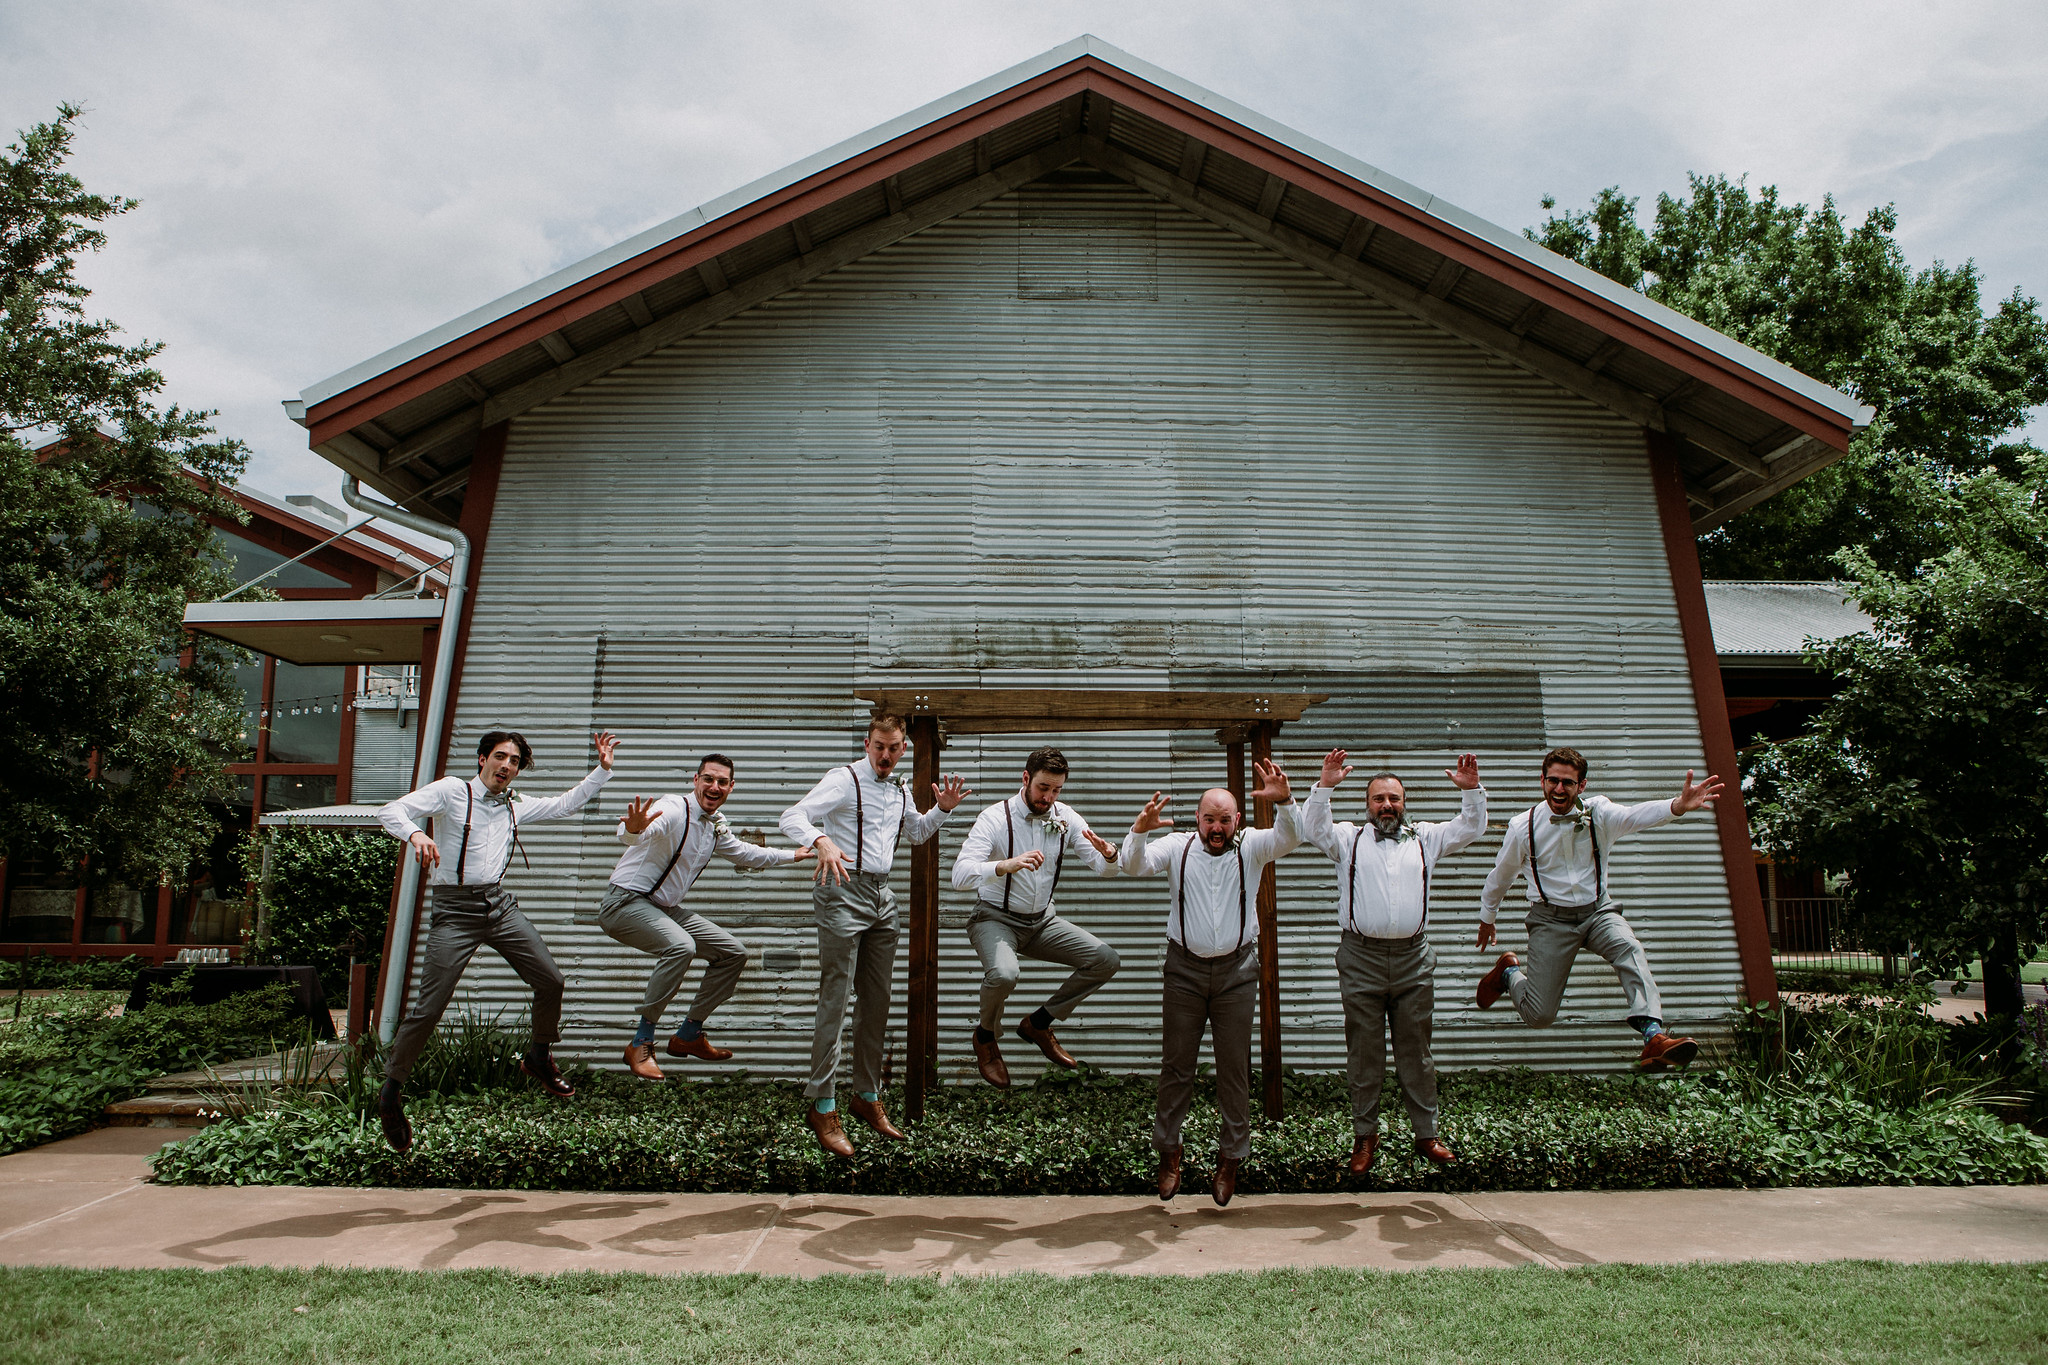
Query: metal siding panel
(905, 469)
(384, 752)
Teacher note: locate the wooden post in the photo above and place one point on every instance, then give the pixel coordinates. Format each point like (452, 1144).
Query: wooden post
(358, 1004)
(1269, 942)
(921, 1065)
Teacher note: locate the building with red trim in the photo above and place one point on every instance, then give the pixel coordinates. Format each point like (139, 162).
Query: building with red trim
(1085, 377)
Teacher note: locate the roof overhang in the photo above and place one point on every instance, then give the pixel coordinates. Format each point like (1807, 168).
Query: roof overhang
(360, 631)
(405, 422)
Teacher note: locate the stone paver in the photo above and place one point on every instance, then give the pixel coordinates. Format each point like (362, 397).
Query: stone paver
(83, 1202)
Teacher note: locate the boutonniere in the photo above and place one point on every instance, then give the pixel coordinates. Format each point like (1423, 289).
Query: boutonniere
(1053, 822)
(1578, 819)
(720, 829)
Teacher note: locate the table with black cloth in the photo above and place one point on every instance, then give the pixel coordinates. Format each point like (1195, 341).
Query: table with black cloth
(212, 983)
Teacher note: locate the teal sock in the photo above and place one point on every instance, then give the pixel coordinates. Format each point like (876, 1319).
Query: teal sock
(1508, 977)
(824, 1104)
(870, 1096)
(689, 1030)
(644, 1033)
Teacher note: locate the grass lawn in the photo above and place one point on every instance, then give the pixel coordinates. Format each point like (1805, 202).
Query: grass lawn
(1849, 1311)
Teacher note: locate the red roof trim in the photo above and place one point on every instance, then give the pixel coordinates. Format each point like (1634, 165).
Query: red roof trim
(425, 373)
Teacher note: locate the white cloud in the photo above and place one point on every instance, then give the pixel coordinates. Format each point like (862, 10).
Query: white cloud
(324, 181)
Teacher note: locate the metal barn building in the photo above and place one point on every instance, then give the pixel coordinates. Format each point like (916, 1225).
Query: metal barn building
(1085, 378)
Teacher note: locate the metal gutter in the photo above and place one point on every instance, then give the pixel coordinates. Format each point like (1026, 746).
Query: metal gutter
(434, 714)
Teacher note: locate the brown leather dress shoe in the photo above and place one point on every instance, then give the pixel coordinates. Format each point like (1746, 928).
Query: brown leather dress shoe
(989, 1058)
(831, 1136)
(1226, 1179)
(640, 1061)
(542, 1068)
(1043, 1040)
(1495, 983)
(874, 1116)
(1661, 1051)
(699, 1047)
(1433, 1149)
(1364, 1151)
(1169, 1173)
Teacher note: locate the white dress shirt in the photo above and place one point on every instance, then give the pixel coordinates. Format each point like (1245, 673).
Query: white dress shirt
(682, 840)
(1565, 866)
(1007, 829)
(886, 810)
(492, 820)
(1384, 892)
(1216, 911)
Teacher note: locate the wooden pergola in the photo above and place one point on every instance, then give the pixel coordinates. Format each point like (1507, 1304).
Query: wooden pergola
(1239, 718)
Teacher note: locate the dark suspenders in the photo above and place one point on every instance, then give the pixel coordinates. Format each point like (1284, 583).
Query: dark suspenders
(1180, 898)
(1351, 884)
(673, 858)
(1599, 870)
(860, 821)
(469, 810)
(1058, 861)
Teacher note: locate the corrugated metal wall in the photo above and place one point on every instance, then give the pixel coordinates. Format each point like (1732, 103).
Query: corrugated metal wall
(1079, 438)
(384, 752)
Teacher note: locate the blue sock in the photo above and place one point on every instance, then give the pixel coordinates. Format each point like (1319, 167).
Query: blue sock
(870, 1096)
(644, 1033)
(1507, 977)
(689, 1030)
(1646, 1026)
(824, 1104)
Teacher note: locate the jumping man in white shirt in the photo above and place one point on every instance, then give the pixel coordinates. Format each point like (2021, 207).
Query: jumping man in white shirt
(1386, 968)
(476, 829)
(668, 843)
(855, 817)
(1012, 860)
(1212, 959)
(1565, 845)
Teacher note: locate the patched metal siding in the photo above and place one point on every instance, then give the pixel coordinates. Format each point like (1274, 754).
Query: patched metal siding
(1015, 451)
(382, 769)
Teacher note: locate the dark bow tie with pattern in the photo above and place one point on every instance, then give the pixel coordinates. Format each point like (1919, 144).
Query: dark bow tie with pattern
(1397, 836)
(1577, 819)
(503, 798)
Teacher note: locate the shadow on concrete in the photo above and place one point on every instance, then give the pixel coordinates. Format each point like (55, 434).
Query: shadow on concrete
(650, 1239)
(325, 1225)
(525, 1227)
(1421, 1231)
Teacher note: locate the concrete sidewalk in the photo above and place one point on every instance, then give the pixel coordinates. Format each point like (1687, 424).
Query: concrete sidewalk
(82, 1202)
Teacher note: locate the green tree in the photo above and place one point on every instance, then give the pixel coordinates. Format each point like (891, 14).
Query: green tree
(108, 750)
(1950, 383)
(330, 892)
(1925, 778)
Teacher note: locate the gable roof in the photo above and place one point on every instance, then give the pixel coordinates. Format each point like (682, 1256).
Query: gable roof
(405, 422)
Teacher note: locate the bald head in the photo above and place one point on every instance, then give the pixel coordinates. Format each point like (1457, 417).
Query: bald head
(1217, 820)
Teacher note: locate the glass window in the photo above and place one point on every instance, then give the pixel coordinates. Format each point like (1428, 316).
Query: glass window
(250, 560)
(42, 898)
(116, 912)
(215, 904)
(250, 676)
(297, 791)
(305, 715)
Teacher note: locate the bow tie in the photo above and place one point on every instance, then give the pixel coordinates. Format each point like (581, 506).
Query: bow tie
(1397, 836)
(1577, 817)
(503, 798)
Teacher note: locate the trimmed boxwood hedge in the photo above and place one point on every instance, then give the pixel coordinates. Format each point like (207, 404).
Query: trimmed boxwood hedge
(1089, 1133)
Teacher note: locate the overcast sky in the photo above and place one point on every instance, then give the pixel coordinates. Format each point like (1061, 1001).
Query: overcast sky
(321, 181)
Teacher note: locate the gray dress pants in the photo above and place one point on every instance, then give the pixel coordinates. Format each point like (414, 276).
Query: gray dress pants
(1556, 933)
(1386, 981)
(467, 918)
(856, 952)
(1222, 992)
(674, 937)
(999, 939)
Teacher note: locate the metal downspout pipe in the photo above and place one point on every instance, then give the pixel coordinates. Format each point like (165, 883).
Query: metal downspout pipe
(432, 716)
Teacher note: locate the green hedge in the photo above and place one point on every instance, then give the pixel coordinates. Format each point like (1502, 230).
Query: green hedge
(330, 893)
(62, 1066)
(1090, 1134)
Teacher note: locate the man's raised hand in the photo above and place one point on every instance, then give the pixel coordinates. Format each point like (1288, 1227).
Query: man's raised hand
(1691, 797)
(1149, 818)
(640, 813)
(1466, 775)
(1101, 845)
(606, 743)
(951, 792)
(1273, 785)
(1335, 769)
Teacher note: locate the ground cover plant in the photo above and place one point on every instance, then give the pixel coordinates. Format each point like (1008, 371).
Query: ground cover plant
(1860, 1092)
(1700, 1315)
(67, 1056)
